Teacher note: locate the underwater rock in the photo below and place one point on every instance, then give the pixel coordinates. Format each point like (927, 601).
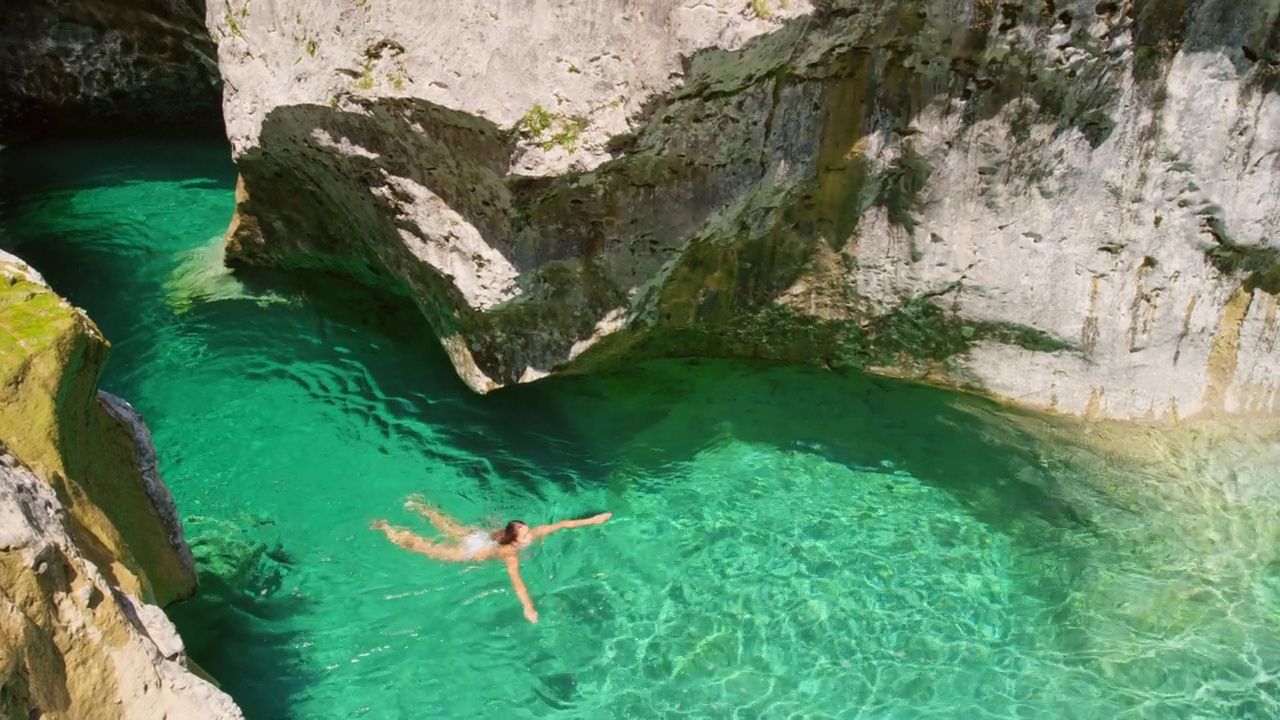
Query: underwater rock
(202, 276)
(1068, 209)
(239, 572)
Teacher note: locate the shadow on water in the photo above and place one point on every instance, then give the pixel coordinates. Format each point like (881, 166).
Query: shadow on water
(67, 165)
(246, 577)
(507, 436)
(590, 427)
(264, 696)
(662, 413)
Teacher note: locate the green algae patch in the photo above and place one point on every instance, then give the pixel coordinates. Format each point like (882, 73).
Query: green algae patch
(51, 355)
(901, 186)
(1259, 264)
(916, 340)
(43, 343)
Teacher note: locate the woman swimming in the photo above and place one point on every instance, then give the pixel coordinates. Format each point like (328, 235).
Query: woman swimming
(472, 544)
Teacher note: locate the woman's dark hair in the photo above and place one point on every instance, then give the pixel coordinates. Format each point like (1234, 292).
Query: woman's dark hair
(508, 535)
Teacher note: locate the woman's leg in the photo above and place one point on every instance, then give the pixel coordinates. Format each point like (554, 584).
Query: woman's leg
(449, 552)
(442, 522)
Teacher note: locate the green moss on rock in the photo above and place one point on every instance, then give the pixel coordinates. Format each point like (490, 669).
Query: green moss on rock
(899, 187)
(51, 419)
(1259, 264)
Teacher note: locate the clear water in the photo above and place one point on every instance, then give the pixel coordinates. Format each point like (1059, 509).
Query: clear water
(786, 542)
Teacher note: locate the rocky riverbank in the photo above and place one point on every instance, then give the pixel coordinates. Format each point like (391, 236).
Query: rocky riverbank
(1062, 204)
(90, 541)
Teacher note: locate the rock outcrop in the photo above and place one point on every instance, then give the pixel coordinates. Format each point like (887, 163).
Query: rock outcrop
(81, 64)
(90, 542)
(1067, 204)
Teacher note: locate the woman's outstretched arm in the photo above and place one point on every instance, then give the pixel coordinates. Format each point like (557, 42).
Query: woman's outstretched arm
(545, 530)
(522, 592)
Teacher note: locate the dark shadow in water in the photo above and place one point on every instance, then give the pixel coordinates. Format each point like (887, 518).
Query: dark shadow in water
(68, 165)
(517, 441)
(245, 576)
(963, 444)
(247, 643)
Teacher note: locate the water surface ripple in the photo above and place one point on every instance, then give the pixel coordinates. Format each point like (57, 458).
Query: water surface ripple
(787, 542)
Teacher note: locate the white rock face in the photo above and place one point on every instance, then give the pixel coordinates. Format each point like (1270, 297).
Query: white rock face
(118, 657)
(1069, 205)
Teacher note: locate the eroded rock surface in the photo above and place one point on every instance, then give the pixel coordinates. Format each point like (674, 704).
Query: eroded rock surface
(89, 63)
(1064, 203)
(76, 646)
(90, 541)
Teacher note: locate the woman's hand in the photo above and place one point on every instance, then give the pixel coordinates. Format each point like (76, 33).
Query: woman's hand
(379, 525)
(601, 518)
(531, 615)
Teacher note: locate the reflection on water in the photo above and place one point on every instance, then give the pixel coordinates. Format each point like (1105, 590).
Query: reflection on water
(786, 540)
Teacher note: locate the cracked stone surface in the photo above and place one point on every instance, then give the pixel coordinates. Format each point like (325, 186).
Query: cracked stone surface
(76, 645)
(1063, 204)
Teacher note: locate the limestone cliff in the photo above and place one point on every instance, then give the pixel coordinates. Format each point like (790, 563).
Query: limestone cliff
(90, 541)
(72, 64)
(1064, 203)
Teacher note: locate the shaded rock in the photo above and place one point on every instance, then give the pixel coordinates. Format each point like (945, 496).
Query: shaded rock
(83, 64)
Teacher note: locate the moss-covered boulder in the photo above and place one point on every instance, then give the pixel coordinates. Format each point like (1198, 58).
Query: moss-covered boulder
(90, 541)
(53, 421)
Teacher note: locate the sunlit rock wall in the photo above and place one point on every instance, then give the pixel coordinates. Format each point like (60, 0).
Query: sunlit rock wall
(1064, 204)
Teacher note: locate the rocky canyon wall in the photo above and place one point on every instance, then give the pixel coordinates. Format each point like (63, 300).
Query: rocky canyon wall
(1068, 204)
(90, 64)
(90, 542)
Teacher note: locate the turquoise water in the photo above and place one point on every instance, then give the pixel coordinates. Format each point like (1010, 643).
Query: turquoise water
(786, 542)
